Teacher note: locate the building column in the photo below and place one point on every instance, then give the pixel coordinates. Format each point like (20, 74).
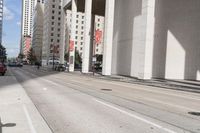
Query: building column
(150, 28)
(87, 36)
(63, 38)
(108, 37)
(72, 38)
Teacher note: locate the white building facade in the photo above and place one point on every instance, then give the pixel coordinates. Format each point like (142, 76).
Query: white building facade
(26, 21)
(78, 41)
(52, 48)
(146, 39)
(79, 33)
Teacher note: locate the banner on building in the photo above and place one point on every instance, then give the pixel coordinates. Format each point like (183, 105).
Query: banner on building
(98, 36)
(71, 46)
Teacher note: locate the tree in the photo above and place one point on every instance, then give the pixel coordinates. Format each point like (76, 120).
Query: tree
(99, 57)
(3, 55)
(31, 57)
(66, 57)
(78, 59)
(21, 56)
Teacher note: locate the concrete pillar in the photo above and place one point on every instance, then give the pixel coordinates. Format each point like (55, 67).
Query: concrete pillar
(87, 36)
(72, 39)
(63, 37)
(108, 37)
(149, 44)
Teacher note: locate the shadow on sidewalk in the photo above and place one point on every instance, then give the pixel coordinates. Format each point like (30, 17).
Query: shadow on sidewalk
(6, 125)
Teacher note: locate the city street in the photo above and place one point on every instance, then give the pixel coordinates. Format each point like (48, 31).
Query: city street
(73, 103)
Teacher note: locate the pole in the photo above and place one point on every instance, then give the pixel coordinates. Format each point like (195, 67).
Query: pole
(53, 55)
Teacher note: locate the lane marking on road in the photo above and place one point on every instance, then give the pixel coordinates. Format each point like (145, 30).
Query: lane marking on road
(51, 82)
(157, 101)
(129, 86)
(29, 120)
(136, 117)
(149, 99)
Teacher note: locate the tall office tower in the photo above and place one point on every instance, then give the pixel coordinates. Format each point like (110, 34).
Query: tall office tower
(79, 34)
(52, 29)
(1, 20)
(27, 20)
(37, 35)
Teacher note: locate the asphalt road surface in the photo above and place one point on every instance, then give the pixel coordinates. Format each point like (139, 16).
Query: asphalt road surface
(72, 103)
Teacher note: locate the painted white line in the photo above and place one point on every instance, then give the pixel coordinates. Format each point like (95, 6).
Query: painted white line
(136, 117)
(149, 99)
(29, 120)
(51, 82)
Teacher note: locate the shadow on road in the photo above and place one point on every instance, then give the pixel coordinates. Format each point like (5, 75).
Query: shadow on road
(6, 125)
(7, 80)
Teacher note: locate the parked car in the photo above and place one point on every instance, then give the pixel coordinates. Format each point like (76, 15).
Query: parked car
(15, 64)
(60, 67)
(19, 64)
(98, 66)
(3, 69)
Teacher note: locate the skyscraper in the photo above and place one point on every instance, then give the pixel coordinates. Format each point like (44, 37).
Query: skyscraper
(52, 31)
(37, 35)
(1, 20)
(79, 34)
(27, 16)
(27, 20)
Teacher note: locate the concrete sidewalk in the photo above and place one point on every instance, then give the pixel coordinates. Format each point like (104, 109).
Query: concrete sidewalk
(17, 112)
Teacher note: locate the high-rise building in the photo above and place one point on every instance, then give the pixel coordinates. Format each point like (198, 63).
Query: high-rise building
(27, 20)
(27, 17)
(1, 20)
(79, 33)
(52, 31)
(79, 40)
(37, 35)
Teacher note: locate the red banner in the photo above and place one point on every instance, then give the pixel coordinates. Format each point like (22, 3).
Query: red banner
(98, 36)
(71, 46)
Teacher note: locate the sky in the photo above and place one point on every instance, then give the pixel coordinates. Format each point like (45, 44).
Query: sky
(12, 26)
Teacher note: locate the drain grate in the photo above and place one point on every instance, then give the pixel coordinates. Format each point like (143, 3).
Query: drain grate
(106, 89)
(194, 113)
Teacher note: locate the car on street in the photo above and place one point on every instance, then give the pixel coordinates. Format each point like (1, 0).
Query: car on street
(3, 69)
(15, 64)
(60, 67)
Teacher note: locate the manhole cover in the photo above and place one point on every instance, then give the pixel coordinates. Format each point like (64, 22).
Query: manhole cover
(106, 89)
(194, 113)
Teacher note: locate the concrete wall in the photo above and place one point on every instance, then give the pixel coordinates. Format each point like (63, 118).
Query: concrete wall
(125, 15)
(177, 39)
(130, 47)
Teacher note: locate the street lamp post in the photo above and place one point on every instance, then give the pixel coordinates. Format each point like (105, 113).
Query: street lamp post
(53, 55)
